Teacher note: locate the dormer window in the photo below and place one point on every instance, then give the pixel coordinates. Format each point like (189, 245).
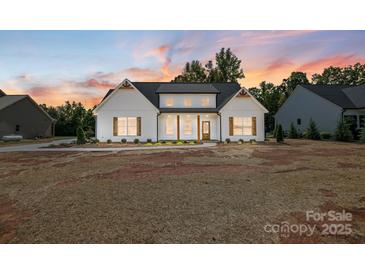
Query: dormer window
(205, 102)
(187, 102)
(169, 102)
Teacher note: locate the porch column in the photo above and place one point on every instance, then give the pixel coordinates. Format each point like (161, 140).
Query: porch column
(178, 127)
(198, 120)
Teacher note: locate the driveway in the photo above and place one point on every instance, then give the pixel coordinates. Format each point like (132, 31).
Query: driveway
(43, 147)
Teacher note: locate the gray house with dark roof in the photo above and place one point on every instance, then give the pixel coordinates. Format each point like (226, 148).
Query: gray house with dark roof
(326, 105)
(21, 115)
(179, 111)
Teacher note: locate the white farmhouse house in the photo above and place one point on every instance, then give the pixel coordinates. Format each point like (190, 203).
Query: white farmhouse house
(179, 111)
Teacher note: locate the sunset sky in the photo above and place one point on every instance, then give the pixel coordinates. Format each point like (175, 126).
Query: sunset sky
(55, 66)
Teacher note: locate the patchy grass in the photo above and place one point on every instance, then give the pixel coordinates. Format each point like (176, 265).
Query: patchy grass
(224, 194)
(32, 141)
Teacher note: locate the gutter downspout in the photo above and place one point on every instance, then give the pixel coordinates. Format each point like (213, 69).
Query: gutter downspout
(220, 126)
(158, 114)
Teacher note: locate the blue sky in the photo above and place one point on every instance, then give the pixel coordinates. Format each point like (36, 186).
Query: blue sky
(54, 66)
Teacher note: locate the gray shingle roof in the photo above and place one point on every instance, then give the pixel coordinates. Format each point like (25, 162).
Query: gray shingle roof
(151, 90)
(341, 95)
(186, 88)
(8, 100)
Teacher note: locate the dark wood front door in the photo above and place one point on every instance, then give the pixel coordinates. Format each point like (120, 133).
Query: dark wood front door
(206, 130)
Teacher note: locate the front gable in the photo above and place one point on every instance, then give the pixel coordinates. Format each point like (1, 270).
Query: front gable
(243, 100)
(125, 97)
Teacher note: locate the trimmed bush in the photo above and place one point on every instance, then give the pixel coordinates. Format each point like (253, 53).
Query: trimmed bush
(94, 141)
(253, 141)
(240, 141)
(293, 132)
(326, 135)
(149, 140)
(362, 135)
(81, 138)
(312, 131)
(109, 141)
(228, 140)
(123, 141)
(343, 132)
(279, 134)
(136, 141)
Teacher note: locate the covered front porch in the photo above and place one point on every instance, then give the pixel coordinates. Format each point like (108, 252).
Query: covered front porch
(189, 126)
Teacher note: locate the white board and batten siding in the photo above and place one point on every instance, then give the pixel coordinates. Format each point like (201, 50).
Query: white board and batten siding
(187, 100)
(126, 103)
(243, 107)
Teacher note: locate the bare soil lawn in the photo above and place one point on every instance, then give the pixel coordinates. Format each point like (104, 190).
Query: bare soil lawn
(224, 194)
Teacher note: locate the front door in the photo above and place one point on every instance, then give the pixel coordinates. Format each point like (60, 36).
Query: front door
(206, 130)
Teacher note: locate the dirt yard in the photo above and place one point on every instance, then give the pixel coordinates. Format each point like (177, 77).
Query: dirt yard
(224, 194)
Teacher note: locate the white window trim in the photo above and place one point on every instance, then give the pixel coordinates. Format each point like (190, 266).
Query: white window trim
(127, 127)
(242, 126)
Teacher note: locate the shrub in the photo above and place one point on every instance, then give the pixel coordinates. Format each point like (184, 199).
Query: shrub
(343, 132)
(186, 142)
(179, 142)
(94, 141)
(275, 131)
(149, 140)
(252, 141)
(136, 141)
(163, 142)
(81, 138)
(240, 141)
(123, 141)
(279, 134)
(109, 141)
(312, 131)
(362, 135)
(228, 140)
(326, 135)
(293, 132)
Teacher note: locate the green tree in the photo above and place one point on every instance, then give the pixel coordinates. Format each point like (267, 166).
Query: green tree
(343, 132)
(293, 132)
(280, 134)
(225, 68)
(296, 78)
(350, 75)
(69, 117)
(192, 72)
(269, 96)
(312, 131)
(362, 136)
(81, 138)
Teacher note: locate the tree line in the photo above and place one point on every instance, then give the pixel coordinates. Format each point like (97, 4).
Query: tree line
(71, 116)
(225, 68)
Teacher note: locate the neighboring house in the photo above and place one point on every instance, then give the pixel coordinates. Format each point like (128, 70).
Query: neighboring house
(325, 104)
(179, 111)
(20, 115)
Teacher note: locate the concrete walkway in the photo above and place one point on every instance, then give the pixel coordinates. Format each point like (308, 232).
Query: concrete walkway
(38, 147)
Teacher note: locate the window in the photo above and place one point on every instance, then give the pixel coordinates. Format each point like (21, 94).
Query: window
(169, 102)
(242, 125)
(299, 121)
(187, 102)
(205, 102)
(170, 125)
(188, 126)
(17, 128)
(127, 126)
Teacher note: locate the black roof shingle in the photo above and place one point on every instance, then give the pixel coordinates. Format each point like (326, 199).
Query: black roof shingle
(151, 90)
(342, 95)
